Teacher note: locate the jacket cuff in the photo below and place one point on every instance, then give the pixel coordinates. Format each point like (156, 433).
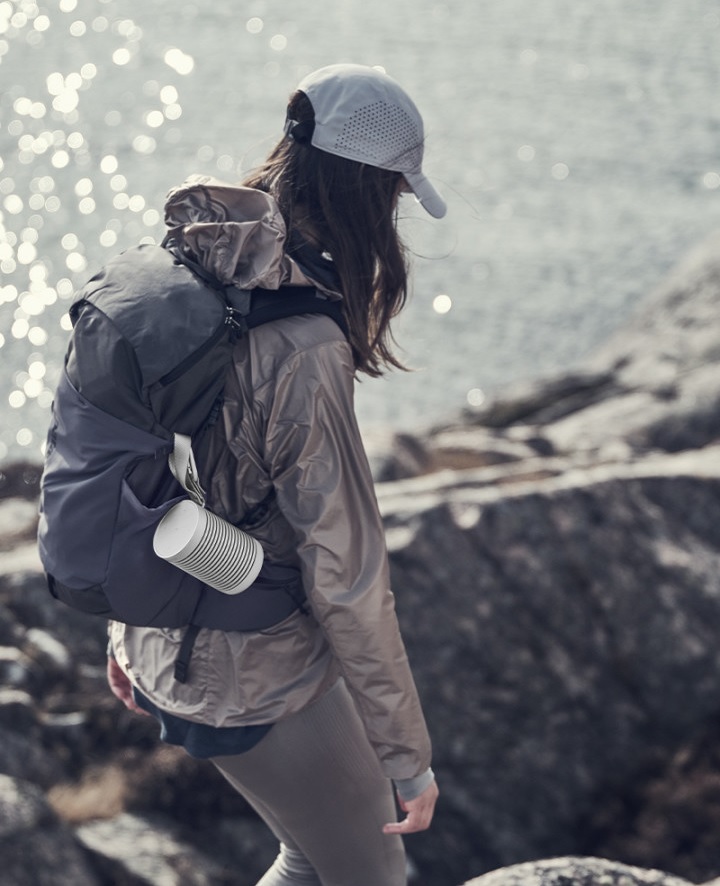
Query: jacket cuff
(409, 788)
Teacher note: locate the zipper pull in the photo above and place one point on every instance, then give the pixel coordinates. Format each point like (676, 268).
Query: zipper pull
(236, 321)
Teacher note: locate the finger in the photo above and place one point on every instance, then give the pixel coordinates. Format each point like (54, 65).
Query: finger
(130, 704)
(138, 710)
(401, 827)
(128, 700)
(414, 822)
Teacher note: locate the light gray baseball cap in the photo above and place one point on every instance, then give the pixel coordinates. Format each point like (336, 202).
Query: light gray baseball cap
(362, 114)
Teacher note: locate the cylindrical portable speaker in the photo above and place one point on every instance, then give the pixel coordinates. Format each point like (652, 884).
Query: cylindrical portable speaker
(208, 547)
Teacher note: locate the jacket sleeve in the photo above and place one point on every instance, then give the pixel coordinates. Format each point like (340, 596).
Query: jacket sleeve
(325, 491)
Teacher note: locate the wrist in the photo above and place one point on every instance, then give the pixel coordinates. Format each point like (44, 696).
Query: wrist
(409, 788)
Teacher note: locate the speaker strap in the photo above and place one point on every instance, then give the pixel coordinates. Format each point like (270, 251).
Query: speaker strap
(182, 464)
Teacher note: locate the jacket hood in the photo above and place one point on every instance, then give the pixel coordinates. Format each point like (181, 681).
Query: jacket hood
(235, 233)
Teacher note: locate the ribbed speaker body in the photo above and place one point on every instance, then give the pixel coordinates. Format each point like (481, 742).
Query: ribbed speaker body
(208, 547)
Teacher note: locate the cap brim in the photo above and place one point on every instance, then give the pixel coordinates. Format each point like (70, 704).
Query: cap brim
(426, 194)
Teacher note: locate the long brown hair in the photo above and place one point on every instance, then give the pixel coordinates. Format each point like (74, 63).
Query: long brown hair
(350, 209)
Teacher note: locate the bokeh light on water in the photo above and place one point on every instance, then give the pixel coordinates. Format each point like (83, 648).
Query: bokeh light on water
(75, 130)
(576, 145)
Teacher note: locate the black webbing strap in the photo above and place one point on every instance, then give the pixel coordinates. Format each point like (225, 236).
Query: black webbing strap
(182, 662)
(287, 301)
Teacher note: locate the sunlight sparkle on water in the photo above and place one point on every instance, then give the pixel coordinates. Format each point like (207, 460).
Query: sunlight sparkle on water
(442, 304)
(37, 336)
(154, 119)
(526, 153)
(475, 397)
(121, 56)
(60, 159)
(179, 61)
(84, 187)
(169, 95)
(108, 164)
(24, 437)
(26, 253)
(144, 144)
(13, 204)
(76, 262)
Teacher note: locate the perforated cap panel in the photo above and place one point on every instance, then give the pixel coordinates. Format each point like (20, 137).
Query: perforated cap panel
(384, 134)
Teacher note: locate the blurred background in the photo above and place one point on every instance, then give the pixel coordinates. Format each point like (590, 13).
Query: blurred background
(576, 143)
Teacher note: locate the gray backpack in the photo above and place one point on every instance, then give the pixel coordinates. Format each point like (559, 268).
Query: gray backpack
(152, 339)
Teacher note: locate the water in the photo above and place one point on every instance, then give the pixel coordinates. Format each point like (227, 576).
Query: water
(576, 142)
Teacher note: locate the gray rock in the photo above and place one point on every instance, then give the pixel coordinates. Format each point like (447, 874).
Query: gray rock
(20, 480)
(11, 632)
(133, 850)
(576, 872)
(16, 669)
(21, 559)
(665, 364)
(22, 807)
(48, 653)
(23, 756)
(579, 584)
(563, 634)
(35, 848)
(542, 401)
(18, 521)
(653, 385)
(24, 594)
(17, 710)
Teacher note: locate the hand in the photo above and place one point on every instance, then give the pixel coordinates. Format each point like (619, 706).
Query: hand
(121, 687)
(419, 812)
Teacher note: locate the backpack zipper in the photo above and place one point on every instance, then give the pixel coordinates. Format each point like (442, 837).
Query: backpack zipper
(207, 345)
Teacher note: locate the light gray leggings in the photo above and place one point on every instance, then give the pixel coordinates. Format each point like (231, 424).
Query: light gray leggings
(316, 782)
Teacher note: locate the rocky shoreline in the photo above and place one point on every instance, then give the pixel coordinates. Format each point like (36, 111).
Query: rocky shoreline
(556, 562)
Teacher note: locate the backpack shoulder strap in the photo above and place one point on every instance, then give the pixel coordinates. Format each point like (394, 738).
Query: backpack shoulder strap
(274, 304)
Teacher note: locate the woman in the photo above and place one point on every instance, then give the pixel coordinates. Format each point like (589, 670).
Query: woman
(315, 719)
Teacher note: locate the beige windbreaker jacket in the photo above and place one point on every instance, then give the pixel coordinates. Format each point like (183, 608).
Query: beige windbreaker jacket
(287, 423)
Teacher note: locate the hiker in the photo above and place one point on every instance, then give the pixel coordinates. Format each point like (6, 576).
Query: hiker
(316, 720)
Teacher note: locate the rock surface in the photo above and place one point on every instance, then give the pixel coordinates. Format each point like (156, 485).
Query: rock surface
(578, 872)
(35, 847)
(653, 386)
(564, 633)
(131, 849)
(556, 562)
